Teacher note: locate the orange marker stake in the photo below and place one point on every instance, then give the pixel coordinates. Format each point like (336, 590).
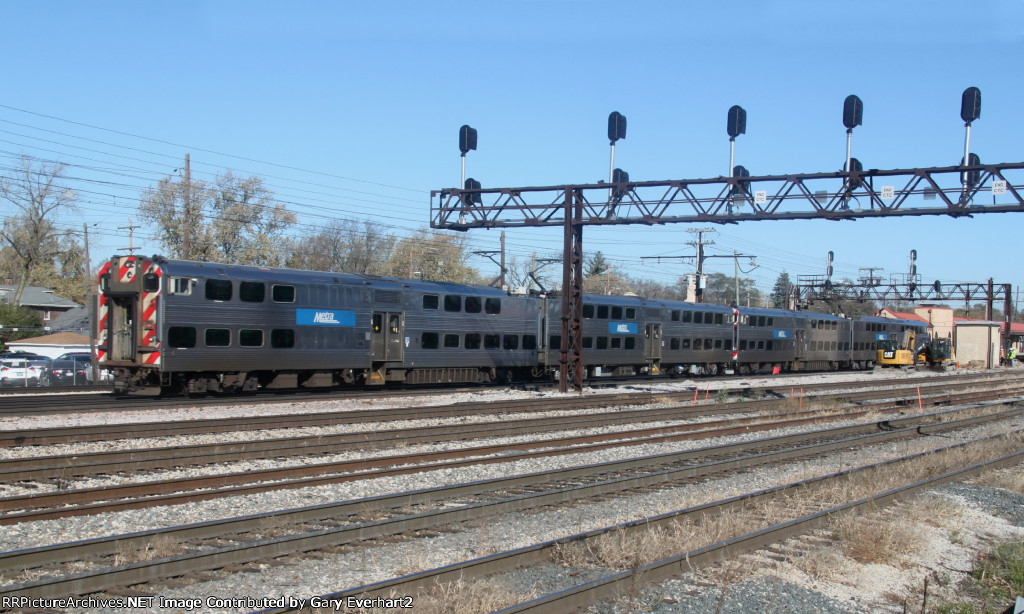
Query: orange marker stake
(707, 391)
(695, 391)
(801, 398)
(920, 405)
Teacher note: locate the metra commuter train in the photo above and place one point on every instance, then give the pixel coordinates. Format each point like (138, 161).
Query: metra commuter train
(197, 327)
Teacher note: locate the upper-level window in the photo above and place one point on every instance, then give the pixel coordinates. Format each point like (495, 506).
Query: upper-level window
(616, 312)
(218, 289)
(588, 311)
(452, 302)
(630, 313)
(431, 301)
(602, 312)
(472, 304)
(282, 294)
(252, 291)
(675, 315)
(181, 285)
(492, 306)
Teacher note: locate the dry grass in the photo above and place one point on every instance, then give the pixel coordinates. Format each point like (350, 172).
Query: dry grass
(1011, 478)
(866, 538)
(158, 547)
(876, 538)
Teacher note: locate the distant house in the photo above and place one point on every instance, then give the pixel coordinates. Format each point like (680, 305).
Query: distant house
(52, 346)
(74, 320)
(40, 300)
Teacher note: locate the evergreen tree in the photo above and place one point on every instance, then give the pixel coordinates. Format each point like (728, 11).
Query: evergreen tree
(780, 293)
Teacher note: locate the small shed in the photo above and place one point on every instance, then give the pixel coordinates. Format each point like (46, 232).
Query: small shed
(977, 343)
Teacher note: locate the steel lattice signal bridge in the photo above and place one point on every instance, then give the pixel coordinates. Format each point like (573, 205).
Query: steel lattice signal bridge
(991, 188)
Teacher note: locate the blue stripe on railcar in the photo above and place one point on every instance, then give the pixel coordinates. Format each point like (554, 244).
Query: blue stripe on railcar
(325, 317)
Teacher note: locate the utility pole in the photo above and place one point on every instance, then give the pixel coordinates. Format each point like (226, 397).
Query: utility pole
(90, 305)
(131, 233)
(186, 218)
(699, 244)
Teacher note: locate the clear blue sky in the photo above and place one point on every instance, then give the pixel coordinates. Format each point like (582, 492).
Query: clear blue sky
(352, 110)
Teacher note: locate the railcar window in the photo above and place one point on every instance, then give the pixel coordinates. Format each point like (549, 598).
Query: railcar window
(511, 342)
(673, 343)
(250, 338)
(698, 344)
(181, 285)
(393, 323)
(630, 343)
(252, 291)
(685, 344)
(602, 343)
(452, 302)
(492, 306)
(719, 318)
(687, 316)
(529, 342)
(431, 301)
(181, 337)
(743, 344)
(451, 341)
(282, 294)
(708, 344)
(105, 282)
(675, 315)
(218, 337)
(588, 343)
(376, 322)
(492, 342)
(760, 344)
(814, 324)
(429, 341)
(617, 312)
(770, 322)
(472, 341)
(768, 345)
(760, 321)
(616, 343)
(555, 342)
(698, 317)
(282, 338)
(218, 289)
(602, 312)
(833, 346)
(588, 311)
(630, 313)
(150, 282)
(472, 304)
(718, 344)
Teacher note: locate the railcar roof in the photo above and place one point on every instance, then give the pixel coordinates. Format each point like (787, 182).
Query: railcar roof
(272, 274)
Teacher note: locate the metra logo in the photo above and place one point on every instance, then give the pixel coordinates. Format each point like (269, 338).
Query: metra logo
(325, 317)
(622, 328)
(783, 334)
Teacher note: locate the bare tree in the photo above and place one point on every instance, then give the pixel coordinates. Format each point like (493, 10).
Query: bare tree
(346, 246)
(232, 220)
(36, 197)
(434, 256)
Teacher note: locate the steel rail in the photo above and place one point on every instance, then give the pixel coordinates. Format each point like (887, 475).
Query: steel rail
(148, 571)
(11, 405)
(173, 428)
(590, 593)
(148, 494)
(73, 465)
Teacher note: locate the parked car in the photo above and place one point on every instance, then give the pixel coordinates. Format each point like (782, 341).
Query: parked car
(18, 372)
(71, 369)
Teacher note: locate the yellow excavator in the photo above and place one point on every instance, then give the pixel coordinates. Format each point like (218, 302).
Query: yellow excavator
(905, 353)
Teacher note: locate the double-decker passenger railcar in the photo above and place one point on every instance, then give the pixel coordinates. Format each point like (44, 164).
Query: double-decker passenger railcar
(211, 327)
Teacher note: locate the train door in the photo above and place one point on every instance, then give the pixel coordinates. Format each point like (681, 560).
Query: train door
(801, 344)
(122, 328)
(388, 328)
(653, 338)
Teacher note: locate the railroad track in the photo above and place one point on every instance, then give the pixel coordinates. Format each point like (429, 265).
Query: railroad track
(97, 400)
(82, 501)
(530, 491)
